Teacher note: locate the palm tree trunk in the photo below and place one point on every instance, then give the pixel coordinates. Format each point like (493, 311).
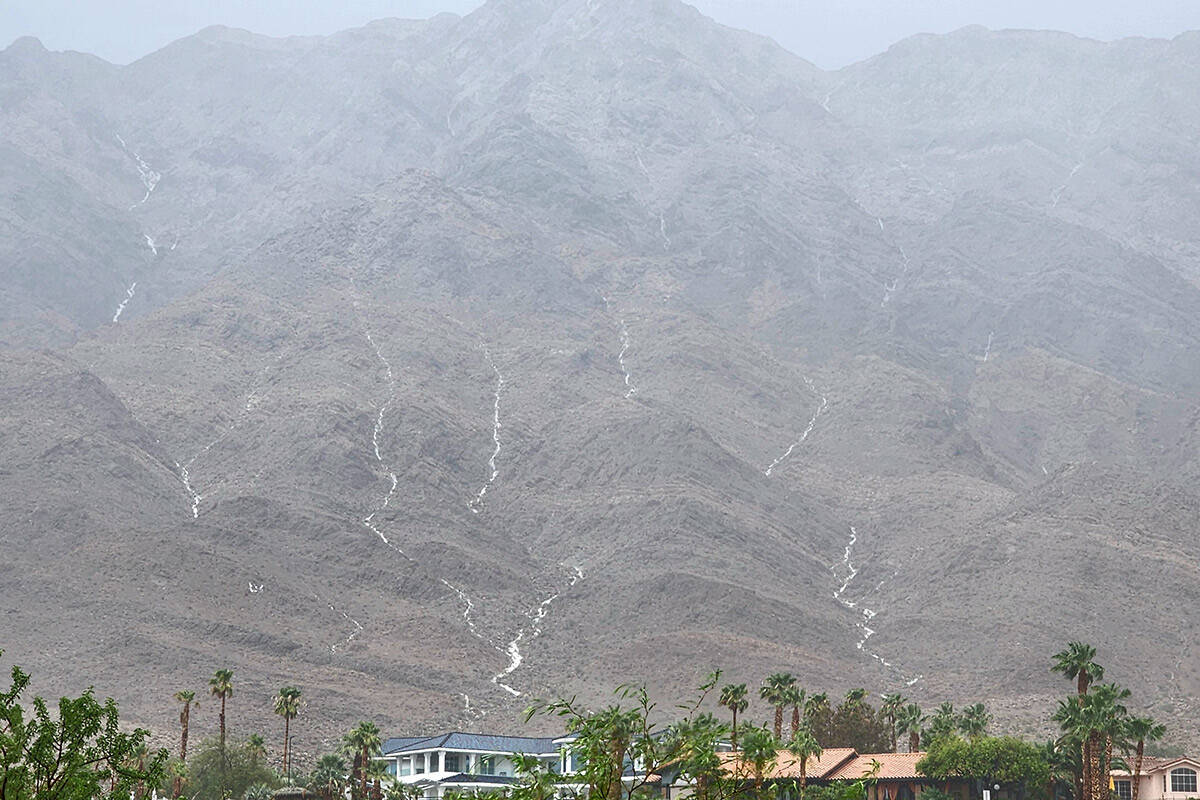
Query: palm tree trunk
(1108, 748)
(733, 738)
(222, 721)
(1085, 762)
(803, 777)
(795, 720)
(1094, 766)
(914, 743)
(778, 721)
(1137, 768)
(286, 729)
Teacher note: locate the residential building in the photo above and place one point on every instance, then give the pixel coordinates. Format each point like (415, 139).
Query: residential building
(1161, 779)
(468, 761)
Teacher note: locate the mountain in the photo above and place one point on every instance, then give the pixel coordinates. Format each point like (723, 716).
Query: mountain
(437, 365)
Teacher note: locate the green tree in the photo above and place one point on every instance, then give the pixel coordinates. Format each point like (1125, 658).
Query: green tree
(910, 720)
(328, 778)
(216, 773)
(78, 753)
(855, 724)
(364, 742)
(804, 746)
(893, 703)
(1141, 730)
(759, 752)
(818, 717)
(606, 740)
(774, 690)
(1005, 760)
(220, 686)
(287, 705)
(733, 697)
(256, 748)
(188, 698)
(974, 720)
(942, 724)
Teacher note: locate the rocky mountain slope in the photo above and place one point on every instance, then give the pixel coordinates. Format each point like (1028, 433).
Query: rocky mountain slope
(433, 366)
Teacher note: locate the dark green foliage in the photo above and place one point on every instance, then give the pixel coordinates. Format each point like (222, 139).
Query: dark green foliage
(1002, 759)
(855, 724)
(213, 774)
(80, 753)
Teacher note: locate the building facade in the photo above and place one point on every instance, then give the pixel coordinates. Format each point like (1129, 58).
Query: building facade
(1161, 779)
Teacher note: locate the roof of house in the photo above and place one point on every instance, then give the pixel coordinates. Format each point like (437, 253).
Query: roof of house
(892, 766)
(1151, 764)
(788, 765)
(470, 741)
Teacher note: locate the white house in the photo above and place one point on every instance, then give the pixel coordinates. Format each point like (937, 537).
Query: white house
(468, 761)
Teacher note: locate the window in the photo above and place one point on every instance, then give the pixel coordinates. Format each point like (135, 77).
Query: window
(452, 764)
(1123, 790)
(1183, 780)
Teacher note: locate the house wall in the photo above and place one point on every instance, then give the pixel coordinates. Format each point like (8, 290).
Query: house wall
(1152, 785)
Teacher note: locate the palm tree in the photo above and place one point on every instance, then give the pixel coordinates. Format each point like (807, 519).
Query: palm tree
(910, 720)
(328, 777)
(818, 714)
(364, 742)
(256, 748)
(1110, 716)
(1069, 716)
(944, 722)
(733, 697)
(794, 696)
(287, 705)
(774, 691)
(220, 685)
(1142, 730)
(187, 697)
(1077, 662)
(804, 746)
(759, 750)
(856, 696)
(974, 720)
(891, 707)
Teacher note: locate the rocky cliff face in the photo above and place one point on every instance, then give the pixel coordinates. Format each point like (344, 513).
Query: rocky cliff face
(432, 366)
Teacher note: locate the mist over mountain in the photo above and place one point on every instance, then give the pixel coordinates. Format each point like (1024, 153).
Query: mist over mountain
(437, 365)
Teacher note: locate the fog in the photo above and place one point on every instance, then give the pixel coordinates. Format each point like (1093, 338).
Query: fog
(830, 33)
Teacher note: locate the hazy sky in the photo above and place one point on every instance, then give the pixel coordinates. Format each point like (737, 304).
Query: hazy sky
(830, 33)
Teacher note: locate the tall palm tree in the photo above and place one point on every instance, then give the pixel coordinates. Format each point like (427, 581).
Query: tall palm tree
(328, 778)
(804, 746)
(856, 696)
(220, 685)
(364, 741)
(891, 707)
(1111, 716)
(974, 720)
(733, 697)
(188, 698)
(944, 722)
(794, 696)
(1142, 730)
(774, 691)
(287, 705)
(1070, 719)
(910, 720)
(1078, 662)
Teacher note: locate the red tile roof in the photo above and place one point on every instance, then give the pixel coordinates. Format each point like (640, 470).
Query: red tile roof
(788, 765)
(892, 766)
